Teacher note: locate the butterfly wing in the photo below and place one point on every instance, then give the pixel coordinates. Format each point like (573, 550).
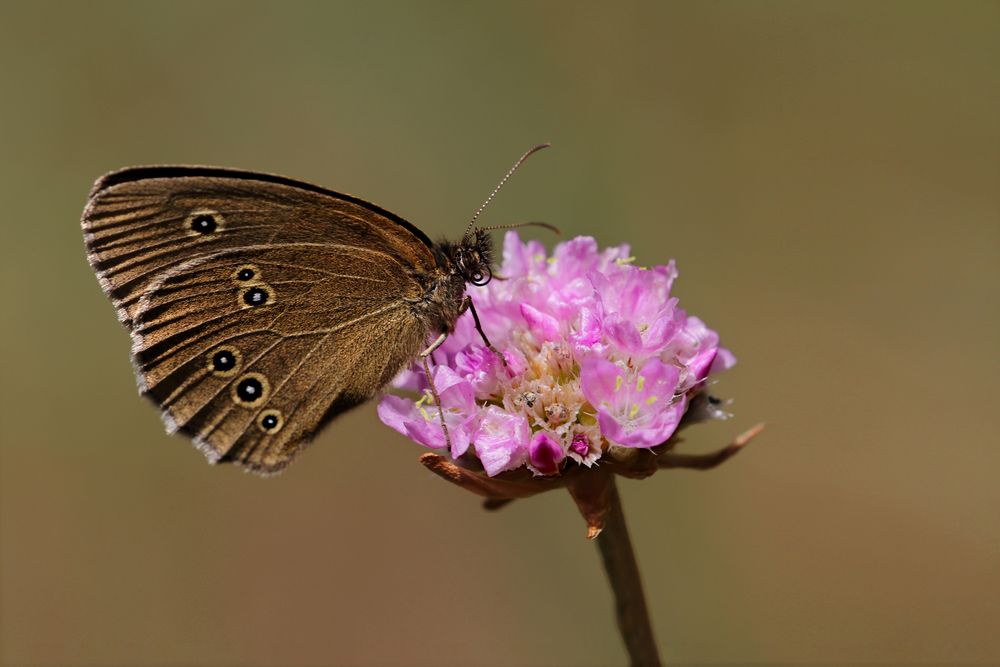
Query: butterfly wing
(142, 221)
(259, 307)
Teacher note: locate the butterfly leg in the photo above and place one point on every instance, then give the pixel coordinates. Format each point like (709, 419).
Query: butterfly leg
(468, 305)
(430, 380)
(433, 346)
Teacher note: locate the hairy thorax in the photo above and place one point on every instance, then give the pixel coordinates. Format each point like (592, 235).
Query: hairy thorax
(441, 303)
(466, 261)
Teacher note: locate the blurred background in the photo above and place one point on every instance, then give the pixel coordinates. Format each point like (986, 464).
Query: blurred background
(826, 176)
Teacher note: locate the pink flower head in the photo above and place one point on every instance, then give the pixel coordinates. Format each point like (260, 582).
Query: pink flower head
(597, 353)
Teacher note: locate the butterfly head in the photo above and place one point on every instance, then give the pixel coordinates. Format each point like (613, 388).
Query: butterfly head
(472, 257)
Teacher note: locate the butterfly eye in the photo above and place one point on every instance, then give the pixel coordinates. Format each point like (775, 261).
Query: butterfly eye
(203, 222)
(251, 390)
(479, 278)
(270, 421)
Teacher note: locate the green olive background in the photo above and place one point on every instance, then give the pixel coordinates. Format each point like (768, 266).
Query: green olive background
(827, 176)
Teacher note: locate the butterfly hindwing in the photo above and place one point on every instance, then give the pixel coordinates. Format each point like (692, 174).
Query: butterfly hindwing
(343, 373)
(250, 382)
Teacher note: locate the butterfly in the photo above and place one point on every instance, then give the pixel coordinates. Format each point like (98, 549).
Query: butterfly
(261, 307)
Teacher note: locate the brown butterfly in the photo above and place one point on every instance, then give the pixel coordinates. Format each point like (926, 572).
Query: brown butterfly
(261, 307)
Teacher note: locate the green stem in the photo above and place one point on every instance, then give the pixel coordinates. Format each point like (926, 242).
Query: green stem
(623, 573)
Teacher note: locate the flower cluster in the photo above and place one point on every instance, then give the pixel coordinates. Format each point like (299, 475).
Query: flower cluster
(595, 352)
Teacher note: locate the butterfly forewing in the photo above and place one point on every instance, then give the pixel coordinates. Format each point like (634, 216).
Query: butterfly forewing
(141, 222)
(259, 307)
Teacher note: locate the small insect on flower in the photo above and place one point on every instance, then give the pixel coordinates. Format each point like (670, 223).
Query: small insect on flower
(596, 354)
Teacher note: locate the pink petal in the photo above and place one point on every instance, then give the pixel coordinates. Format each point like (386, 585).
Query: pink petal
(598, 380)
(395, 411)
(723, 361)
(402, 415)
(502, 440)
(517, 363)
(652, 434)
(658, 380)
(545, 453)
(623, 333)
(700, 365)
(544, 326)
(590, 329)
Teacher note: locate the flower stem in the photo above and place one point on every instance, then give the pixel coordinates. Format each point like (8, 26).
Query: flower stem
(623, 573)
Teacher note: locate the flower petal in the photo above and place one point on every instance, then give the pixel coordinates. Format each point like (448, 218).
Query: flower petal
(599, 379)
(544, 326)
(502, 440)
(545, 454)
(403, 415)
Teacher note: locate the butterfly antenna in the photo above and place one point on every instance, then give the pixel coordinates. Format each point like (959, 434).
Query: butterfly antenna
(503, 180)
(533, 223)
